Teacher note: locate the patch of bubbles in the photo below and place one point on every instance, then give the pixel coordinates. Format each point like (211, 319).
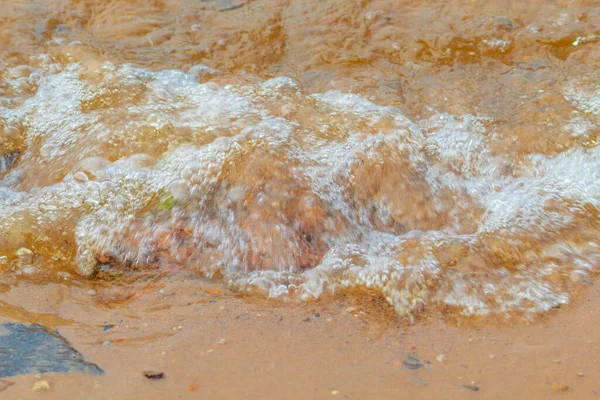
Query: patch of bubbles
(111, 168)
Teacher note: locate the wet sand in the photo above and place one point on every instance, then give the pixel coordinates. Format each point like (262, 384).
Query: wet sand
(352, 347)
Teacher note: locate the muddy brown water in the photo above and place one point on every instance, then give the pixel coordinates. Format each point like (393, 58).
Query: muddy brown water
(417, 173)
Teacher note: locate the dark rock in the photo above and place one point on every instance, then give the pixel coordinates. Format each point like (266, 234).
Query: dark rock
(32, 349)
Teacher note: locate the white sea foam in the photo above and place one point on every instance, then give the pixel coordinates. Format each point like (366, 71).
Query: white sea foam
(292, 194)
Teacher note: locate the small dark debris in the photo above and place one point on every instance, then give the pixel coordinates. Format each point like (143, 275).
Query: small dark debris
(506, 22)
(153, 374)
(317, 315)
(472, 387)
(107, 327)
(419, 380)
(306, 320)
(228, 5)
(412, 365)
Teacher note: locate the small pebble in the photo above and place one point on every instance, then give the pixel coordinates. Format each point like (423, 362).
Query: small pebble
(441, 358)
(580, 374)
(29, 270)
(81, 176)
(560, 387)
(335, 392)
(222, 341)
(39, 385)
(61, 274)
(25, 254)
(102, 258)
(107, 343)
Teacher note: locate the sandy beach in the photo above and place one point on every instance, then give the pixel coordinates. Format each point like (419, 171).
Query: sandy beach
(210, 343)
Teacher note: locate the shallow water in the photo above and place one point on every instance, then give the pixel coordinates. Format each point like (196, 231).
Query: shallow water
(442, 154)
